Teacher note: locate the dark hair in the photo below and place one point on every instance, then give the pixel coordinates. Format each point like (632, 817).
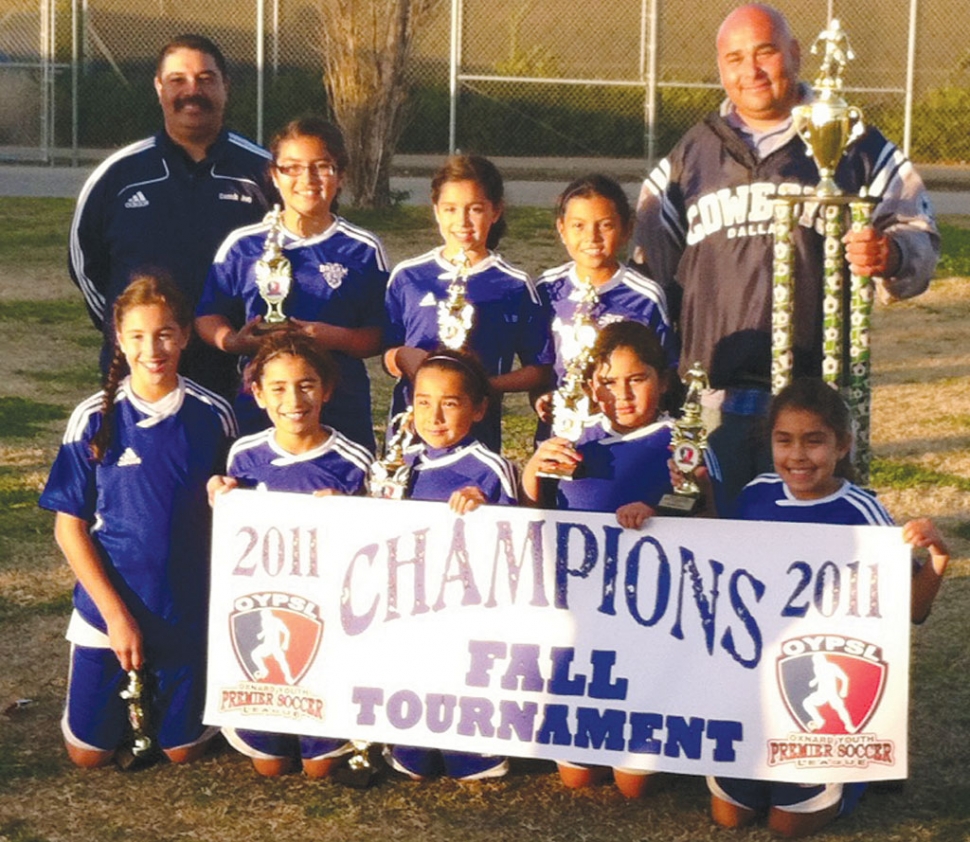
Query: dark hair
(484, 173)
(147, 287)
(811, 394)
(644, 342)
(323, 130)
(191, 41)
(286, 343)
(474, 378)
(596, 184)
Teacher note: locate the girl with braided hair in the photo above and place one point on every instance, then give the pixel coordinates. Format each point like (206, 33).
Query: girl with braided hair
(129, 489)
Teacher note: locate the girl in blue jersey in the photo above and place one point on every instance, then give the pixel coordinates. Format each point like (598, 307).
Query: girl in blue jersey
(811, 435)
(619, 464)
(128, 487)
(594, 221)
(468, 198)
(451, 393)
(339, 273)
(292, 381)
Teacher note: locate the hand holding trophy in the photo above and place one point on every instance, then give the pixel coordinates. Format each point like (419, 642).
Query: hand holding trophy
(455, 314)
(274, 274)
(687, 444)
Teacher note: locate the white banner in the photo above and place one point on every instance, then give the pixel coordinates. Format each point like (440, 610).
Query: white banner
(764, 650)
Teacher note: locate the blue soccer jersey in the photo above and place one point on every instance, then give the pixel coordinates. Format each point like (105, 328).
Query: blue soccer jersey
(627, 296)
(340, 464)
(618, 468)
(437, 473)
(339, 278)
(146, 501)
(507, 321)
(767, 497)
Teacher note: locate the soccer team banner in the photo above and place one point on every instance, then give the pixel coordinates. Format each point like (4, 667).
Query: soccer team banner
(765, 650)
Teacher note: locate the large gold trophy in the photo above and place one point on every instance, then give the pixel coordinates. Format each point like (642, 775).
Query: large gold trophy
(828, 125)
(688, 443)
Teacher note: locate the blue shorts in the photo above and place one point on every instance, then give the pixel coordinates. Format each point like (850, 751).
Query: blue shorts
(759, 796)
(430, 762)
(262, 745)
(96, 717)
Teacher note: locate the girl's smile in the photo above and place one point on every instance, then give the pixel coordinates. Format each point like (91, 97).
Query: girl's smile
(593, 233)
(806, 451)
(291, 392)
(465, 215)
(152, 342)
(443, 411)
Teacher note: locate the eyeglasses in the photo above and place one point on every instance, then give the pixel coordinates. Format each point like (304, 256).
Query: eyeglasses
(322, 169)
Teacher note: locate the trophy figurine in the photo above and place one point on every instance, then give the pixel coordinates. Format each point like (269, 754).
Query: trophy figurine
(274, 274)
(361, 767)
(828, 124)
(455, 314)
(571, 405)
(388, 477)
(142, 747)
(688, 442)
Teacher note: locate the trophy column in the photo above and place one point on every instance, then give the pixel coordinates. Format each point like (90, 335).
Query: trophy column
(828, 125)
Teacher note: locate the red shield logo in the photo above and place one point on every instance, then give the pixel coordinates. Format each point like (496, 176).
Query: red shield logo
(831, 692)
(275, 645)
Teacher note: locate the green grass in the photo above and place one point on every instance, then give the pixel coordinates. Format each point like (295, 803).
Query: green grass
(891, 473)
(76, 377)
(23, 418)
(35, 231)
(955, 259)
(58, 311)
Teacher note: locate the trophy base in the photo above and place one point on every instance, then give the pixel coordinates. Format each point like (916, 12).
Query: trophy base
(272, 327)
(361, 768)
(678, 505)
(554, 475)
(129, 760)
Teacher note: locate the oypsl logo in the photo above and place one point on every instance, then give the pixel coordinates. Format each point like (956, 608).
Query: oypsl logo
(832, 687)
(275, 636)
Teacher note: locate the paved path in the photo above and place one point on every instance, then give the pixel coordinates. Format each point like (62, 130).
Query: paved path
(66, 182)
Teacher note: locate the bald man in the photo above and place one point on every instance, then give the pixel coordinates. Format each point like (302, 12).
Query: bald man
(704, 231)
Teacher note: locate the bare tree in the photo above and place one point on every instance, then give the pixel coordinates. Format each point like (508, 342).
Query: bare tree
(367, 45)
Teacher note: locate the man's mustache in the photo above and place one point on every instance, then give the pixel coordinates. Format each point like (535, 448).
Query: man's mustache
(197, 100)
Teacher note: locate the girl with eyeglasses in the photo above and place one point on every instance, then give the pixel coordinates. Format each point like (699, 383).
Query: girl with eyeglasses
(339, 274)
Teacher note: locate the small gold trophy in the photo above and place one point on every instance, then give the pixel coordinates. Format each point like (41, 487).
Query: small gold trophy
(361, 767)
(274, 274)
(687, 444)
(388, 477)
(828, 124)
(142, 747)
(455, 314)
(571, 405)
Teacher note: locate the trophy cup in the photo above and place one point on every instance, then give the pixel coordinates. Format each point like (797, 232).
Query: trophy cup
(571, 405)
(388, 477)
(455, 314)
(828, 126)
(142, 748)
(687, 444)
(274, 274)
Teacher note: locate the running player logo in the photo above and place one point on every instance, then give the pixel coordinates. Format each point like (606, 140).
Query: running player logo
(275, 637)
(831, 685)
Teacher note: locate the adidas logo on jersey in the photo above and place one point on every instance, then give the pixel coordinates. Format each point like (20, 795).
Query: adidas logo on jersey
(129, 457)
(428, 301)
(138, 200)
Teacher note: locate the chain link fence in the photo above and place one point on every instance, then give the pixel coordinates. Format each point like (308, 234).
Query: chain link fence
(498, 77)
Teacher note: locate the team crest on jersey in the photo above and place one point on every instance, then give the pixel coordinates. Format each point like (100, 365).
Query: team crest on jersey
(832, 687)
(333, 274)
(275, 636)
